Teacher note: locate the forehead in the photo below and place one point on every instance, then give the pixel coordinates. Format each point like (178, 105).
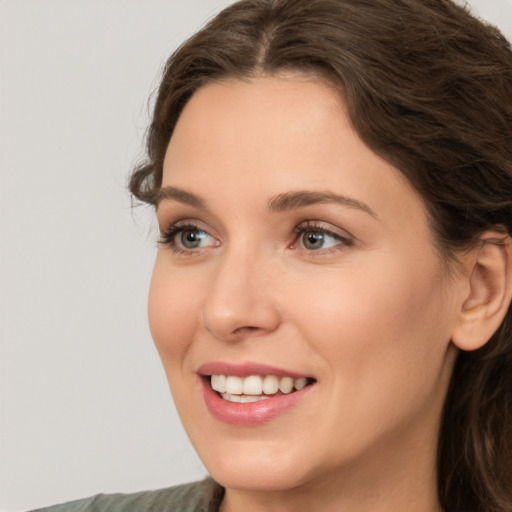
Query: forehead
(260, 123)
(269, 111)
(272, 135)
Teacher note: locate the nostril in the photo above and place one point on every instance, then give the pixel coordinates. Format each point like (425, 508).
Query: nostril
(230, 314)
(248, 328)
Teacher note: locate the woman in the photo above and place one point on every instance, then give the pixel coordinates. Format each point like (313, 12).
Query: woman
(331, 296)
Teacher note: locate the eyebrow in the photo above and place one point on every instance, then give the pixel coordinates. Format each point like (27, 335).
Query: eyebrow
(179, 195)
(281, 202)
(300, 199)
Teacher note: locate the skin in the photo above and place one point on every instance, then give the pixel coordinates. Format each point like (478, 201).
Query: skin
(369, 316)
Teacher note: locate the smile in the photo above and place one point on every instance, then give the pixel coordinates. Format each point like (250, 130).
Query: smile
(254, 387)
(251, 394)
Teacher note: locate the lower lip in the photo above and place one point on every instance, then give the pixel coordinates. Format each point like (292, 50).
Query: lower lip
(251, 413)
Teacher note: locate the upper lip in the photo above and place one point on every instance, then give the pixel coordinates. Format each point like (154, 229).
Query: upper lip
(246, 369)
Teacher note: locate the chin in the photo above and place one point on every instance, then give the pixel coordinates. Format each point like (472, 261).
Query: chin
(255, 466)
(257, 478)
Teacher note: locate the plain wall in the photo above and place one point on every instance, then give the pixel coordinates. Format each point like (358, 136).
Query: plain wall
(84, 404)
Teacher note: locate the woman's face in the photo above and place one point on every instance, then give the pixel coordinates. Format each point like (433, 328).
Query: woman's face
(294, 255)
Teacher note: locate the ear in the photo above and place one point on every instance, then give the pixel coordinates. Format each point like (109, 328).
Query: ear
(488, 296)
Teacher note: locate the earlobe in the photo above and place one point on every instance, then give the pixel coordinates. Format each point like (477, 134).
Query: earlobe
(490, 291)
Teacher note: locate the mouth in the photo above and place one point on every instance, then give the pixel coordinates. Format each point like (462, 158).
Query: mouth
(255, 388)
(251, 394)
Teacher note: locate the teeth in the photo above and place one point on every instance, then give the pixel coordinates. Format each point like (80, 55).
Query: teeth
(286, 385)
(252, 388)
(253, 385)
(219, 383)
(300, 383)
(234, 385)
(243, 398)
(270, 384)
(231, 398)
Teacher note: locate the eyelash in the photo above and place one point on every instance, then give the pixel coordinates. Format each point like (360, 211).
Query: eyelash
(314, 226)
(169, 237)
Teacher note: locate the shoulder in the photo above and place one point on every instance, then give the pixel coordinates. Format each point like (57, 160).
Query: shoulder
(193, 497)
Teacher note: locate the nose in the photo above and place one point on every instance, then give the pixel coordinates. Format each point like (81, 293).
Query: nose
(240, 301)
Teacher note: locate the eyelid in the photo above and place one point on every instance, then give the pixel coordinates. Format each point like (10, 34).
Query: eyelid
(343, 236)
(321, 225)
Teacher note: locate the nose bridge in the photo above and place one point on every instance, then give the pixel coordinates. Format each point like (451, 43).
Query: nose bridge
(239, 299)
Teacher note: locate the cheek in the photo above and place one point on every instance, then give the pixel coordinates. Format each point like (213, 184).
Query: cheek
(384, 336)
(388, 316)
(173, 309)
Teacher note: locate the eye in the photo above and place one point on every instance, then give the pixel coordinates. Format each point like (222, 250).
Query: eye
(193, 238)
(315, 238)
(185, 238)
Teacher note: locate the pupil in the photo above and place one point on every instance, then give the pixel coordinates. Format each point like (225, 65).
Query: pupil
(190, 238)
(313, 240)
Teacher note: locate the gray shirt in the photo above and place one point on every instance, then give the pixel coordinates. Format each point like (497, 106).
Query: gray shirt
(203, 496)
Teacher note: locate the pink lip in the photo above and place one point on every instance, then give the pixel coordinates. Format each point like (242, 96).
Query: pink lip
(252, 413)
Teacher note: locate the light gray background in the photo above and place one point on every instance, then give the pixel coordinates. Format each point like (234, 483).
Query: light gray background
(84, 405)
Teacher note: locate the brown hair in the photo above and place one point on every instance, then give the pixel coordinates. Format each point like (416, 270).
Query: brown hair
(429, 88)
